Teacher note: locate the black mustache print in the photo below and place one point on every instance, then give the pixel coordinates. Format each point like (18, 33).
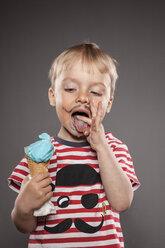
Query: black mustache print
(60, 228)
(81, 225)
(79, 174)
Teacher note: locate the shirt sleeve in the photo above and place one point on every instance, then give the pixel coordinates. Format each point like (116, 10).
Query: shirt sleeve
(125, 161)
(18, 175)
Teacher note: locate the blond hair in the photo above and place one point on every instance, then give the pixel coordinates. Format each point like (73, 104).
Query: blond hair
(90, 54)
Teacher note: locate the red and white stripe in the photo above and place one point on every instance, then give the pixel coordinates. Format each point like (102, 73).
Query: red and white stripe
(110, 235)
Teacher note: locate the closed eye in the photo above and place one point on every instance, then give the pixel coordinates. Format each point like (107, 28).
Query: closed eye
(96, 93)
(70, 89)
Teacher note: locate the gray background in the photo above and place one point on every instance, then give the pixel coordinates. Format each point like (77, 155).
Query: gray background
(33, 33)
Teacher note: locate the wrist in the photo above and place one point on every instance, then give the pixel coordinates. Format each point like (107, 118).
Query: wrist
(24, 221)
(102, 146)
(22, 209)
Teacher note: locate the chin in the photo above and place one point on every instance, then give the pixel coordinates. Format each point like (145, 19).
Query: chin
(76, 133)
(79, 136)
(73, 135)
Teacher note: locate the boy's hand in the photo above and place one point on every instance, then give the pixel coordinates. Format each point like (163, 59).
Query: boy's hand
(34, 192)
(95, 132)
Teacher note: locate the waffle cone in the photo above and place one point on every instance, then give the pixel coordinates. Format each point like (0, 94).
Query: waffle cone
(36, 168)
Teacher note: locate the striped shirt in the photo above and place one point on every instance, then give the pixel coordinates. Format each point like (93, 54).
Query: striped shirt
(83, 216)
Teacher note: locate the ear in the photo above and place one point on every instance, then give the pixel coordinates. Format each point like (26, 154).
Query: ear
(110, 104)
(51, 96)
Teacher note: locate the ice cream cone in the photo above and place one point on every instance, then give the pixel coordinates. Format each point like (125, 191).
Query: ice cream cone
(36, 168)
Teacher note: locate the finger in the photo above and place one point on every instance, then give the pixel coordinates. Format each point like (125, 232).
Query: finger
(93, 109)
(47, 189)
(100, 113)
(98, 119)
(88, 121)
(48, 196)
(93, 117)
(85, 119)
(86, 132)
(45, 182)
(41, 176)
(25, 180)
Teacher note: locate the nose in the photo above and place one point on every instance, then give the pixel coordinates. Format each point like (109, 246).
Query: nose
(82, 98)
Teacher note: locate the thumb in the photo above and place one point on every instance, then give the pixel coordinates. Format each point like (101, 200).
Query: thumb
(25, 181)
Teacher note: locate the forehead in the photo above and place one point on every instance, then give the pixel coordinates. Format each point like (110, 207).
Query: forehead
(82, 71)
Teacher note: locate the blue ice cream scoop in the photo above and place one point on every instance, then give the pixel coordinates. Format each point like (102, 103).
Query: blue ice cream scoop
(41, 150)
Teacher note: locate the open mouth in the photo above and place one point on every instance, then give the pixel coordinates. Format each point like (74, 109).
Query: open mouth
(77, 124)
(80, 113)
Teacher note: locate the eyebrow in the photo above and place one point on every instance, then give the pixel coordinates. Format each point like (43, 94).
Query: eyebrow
(77, 81)
(69, 79)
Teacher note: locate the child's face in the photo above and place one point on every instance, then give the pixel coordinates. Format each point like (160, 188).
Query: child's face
(74, 92)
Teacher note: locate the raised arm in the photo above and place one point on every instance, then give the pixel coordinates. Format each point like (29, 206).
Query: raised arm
(117, 185)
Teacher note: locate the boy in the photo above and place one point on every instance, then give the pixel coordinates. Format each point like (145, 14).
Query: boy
(92, 171)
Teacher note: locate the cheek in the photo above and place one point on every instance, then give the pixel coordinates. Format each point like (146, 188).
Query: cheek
(104, 106)
(105, 103)
(64, 104)
(62, 101)
(103, 100)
